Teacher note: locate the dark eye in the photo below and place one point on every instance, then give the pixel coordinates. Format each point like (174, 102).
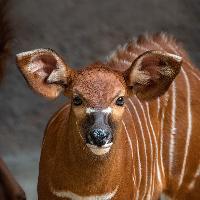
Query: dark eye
(77, 101)
(120, 101)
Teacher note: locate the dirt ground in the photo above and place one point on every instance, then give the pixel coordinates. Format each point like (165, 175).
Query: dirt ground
(82, 32)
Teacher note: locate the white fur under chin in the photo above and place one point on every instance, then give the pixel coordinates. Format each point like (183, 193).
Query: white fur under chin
(100, 150)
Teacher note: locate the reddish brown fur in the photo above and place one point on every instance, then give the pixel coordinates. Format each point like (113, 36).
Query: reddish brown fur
(138, 163)
(89, 81)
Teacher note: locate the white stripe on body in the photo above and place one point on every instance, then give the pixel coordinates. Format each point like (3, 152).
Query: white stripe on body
(155, 140)
(151, 146)
(133, 55)
(173, 128)
(161, 129)
(158, 102)
(196, 175)
(58, 114)
(140, 47)
(125, 62)
(189, 130)
(196, 76)
(130, 143)
(175, 48)
(145, 151)
(54, 119)
(158, 111)
(73, 196)
(137, 146)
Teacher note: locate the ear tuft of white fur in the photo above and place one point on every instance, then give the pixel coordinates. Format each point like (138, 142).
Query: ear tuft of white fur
(57, 75)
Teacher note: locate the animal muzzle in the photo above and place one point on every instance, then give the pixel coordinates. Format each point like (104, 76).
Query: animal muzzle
(99, 135)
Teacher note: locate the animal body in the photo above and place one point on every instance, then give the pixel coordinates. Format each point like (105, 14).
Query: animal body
(9, 188)
(131, 129)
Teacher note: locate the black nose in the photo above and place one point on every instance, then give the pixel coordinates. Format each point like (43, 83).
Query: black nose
(98, 137)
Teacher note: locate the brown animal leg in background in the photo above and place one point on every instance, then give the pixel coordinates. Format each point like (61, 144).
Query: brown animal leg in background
(9, 188)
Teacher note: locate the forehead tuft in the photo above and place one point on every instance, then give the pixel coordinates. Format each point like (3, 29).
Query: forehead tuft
(98, 84)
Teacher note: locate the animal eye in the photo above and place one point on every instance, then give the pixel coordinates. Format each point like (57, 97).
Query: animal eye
(77, 101)
(120, 101)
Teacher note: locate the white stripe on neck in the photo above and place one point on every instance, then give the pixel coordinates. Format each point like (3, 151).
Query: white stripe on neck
(106, 110)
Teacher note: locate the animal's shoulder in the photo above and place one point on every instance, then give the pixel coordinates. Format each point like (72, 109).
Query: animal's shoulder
(56, 121)
(59, 115)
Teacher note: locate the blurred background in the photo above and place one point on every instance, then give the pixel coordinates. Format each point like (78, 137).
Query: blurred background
(82, 32)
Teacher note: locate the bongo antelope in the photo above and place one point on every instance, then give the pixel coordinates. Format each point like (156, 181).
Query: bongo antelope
(131, 129)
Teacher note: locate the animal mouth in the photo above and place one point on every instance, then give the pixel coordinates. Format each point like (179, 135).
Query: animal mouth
(99, 150)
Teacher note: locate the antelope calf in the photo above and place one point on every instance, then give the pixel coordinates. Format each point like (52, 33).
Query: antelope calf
(131, 129)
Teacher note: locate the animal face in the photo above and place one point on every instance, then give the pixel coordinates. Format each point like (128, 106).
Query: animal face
(98, 106)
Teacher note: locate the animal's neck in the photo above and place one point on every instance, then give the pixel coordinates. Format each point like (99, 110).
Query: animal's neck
(81, 164)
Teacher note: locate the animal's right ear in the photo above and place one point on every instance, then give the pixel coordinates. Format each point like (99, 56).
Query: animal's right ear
(45, 71)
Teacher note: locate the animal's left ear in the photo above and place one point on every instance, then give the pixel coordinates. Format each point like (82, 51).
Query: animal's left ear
(151, 74)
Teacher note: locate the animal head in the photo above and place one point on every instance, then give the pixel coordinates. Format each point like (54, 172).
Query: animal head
(97, 92)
